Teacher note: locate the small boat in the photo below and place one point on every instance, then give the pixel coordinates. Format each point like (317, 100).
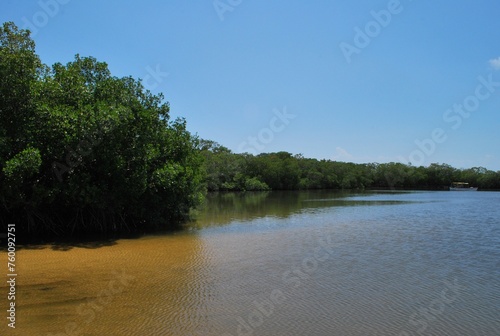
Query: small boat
(462, 186)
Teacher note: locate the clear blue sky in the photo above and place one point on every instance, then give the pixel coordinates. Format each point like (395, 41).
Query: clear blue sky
(359, 89)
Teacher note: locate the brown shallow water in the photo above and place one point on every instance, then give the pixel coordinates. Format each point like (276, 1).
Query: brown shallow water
(279, 264)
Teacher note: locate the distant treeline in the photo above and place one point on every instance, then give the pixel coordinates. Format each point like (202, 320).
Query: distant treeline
(227, 171)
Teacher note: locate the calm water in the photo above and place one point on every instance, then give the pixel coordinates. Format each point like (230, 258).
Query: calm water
(280, 263)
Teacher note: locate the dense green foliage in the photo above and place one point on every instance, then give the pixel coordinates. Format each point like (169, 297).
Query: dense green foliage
(81, 150)
(284, 171)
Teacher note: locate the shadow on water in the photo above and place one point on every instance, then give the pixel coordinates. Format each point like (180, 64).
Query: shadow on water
(87, 241)
(222, 208)
(66, 246)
